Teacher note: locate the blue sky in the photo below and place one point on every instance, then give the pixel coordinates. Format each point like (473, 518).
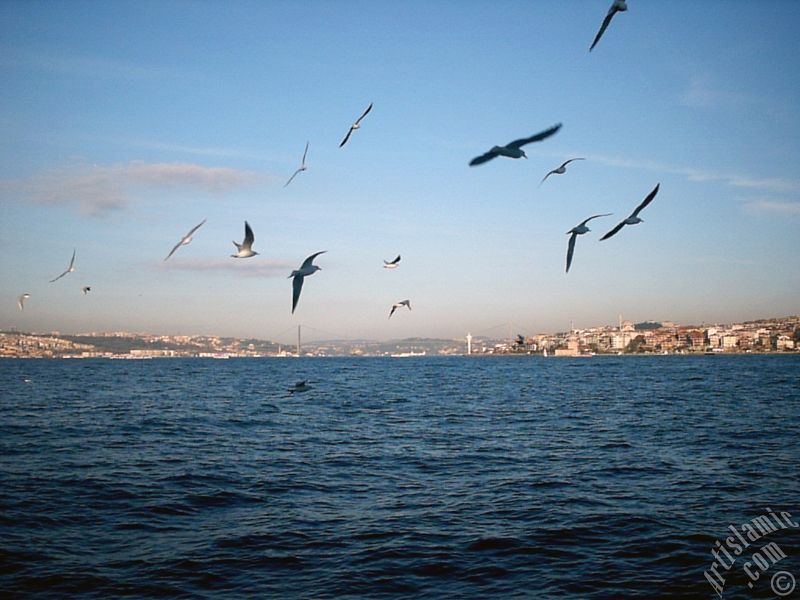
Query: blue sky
(126, 123)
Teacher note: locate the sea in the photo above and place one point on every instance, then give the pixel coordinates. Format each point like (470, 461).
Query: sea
(419, 477)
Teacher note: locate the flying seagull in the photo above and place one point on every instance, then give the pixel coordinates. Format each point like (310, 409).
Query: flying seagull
(560, 170)
(300, 274)
(185, 239)
(513, 149)
(299, 387)
(617, 6)
(634, 218)
(21, 300)
(392, 264)
(86, 289)
(70, 269)
(355, 125)
(579, 229)
(245, 249)
(400, 304)
(301, 168)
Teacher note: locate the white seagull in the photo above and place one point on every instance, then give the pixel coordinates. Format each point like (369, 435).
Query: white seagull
(70, 269)
(392, 264)
(400, 304)
(245, 249)
(301, 168)
(299, 387)
(513, 149)
(185, 239)
(86, 289)
(300, 274)
(356, 125)
(560, 170)
(634, 218)
(579, 229)
(21, 300)
(617, 6)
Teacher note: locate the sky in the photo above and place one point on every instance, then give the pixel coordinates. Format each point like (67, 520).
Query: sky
(124, 124)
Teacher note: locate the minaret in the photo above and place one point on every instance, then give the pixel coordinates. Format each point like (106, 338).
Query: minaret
(469, 344)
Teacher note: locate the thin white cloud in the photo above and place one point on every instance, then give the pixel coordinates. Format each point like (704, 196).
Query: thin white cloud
(704, 92)
(252, 267)
(96, 190)
(773, 207)
(781, 185)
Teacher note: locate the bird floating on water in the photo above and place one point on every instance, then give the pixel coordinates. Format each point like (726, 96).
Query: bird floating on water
(21, 300)
(392, 264)
(245, 249)
(513, 149)
(186, 239)
(579, 229)
(356, 125)
(617, 6)
(560, 170)
(634, 218)
(299, 387)
(301, 168)
(306, 269)
(70, 269)
(401, 304)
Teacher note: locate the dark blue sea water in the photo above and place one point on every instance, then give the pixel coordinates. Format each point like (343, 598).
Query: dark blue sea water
(607, 477)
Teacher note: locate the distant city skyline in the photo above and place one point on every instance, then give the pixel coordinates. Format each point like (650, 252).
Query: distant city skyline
(115, 148)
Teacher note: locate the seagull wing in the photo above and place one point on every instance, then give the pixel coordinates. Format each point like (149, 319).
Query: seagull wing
(297, 286)
(195, 228)
(72, 261)
(178, 245)
(546, 176)
(570, 160)
(478, 160)
(347, 137)
(305, 153)
(60, 276)
(307, 262)
(292, 177)
(364, 114)
(407, 303)
(536, 138)
(646, 201)
(249, 238)
(395, 261)
(613, 231)
(603, 27)
(571, 249)
(594, 217)
(391, 312)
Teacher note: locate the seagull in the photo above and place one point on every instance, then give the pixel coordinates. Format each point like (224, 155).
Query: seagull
(86, 289)
(244, 250)
(356, 125)
(302, 167)
(513, 149)
(300, 274)
(21, 300)
(401, 304)
(392, 264)
(634, 218)
(299, 387)
(579, 229)
(560, 170)
(617, 6)
(70, 269)
(186, 239)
